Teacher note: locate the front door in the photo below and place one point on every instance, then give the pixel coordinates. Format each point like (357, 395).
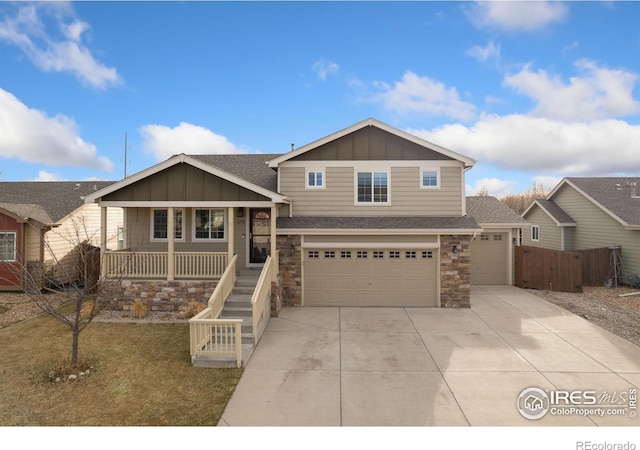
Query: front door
(259, 234)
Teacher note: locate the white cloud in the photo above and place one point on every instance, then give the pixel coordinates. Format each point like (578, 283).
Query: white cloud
(484, 54)
(494, 186)
(547, 182)
(30, 135)
(415, 94)
(541, 145)
(598, 93)
(27, 31)
(323, 68)
(43, 175)
(516, 15)
(164, 142)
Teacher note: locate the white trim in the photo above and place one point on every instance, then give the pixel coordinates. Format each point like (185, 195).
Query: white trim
(356, 202)
(468, 162)
(152, 223)
(310, 170)
(178, 159)
(225, 219)
(386, 163)
(422, 171)
(187, 204)
(373, 245)
(376, 231)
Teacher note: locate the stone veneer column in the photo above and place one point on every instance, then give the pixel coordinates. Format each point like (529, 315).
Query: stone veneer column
(455, 272)
(290, 269)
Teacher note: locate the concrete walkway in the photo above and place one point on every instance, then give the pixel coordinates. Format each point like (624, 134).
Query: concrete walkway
(413, 366)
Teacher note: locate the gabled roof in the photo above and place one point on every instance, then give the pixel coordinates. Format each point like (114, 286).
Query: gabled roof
(557, 214)
(617, 196)
(46, 201)
(248, 171)
(491, 211)
(468, 162)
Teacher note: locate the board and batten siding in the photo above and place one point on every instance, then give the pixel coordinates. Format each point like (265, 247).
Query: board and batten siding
(338, 197)
(550, 232)
(596, 228)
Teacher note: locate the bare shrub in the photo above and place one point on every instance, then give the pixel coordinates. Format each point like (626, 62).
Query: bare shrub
(192, 309)
(138, 309)
(520, 202)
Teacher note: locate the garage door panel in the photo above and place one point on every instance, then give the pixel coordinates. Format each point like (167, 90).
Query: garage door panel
(406, 279)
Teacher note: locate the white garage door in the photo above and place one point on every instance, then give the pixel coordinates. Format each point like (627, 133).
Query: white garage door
(370, 277)
(489, 258)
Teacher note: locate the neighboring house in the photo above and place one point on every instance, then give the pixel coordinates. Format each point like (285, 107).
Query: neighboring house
(367, 216)
(492, 251)
(582, 213)
(41, 223)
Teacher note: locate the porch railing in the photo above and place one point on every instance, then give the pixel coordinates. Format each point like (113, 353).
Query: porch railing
(214, 337)
(261, 299)
(187, 265)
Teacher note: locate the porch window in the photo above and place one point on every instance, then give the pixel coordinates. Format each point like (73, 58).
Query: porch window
(159, 230)
(373, 187)
(7, 246)
(209, 224)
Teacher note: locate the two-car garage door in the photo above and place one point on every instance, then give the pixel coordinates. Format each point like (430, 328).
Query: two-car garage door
(370, 277)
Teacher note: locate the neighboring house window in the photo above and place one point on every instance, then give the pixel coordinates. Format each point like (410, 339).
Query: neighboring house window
(208, 224)
(535, 233)
(7, 246)
(373, 187)
(159, 230)
(429, 179)
(315, 179)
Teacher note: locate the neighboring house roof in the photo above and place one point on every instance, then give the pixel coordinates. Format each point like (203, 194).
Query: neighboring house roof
(378, 223)
(250, 167)
(468, 162)
(489, 210)
(46, 201)
(557, 214)
(617, 196)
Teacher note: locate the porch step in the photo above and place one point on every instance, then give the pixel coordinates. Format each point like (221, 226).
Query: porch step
(222, 362)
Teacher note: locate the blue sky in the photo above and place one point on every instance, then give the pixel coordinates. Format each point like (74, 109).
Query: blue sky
(533, 91)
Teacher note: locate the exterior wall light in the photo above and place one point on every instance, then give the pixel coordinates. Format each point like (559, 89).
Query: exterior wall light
(455, 249)
(292, 249)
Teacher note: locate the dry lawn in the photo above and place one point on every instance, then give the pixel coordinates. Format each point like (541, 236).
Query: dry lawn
(141, 376)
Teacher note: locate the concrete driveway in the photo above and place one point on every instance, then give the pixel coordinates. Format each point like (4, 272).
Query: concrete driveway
(413, 366)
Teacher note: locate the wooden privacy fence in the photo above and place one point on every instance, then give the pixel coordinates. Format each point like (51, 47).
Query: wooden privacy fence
(561, 271)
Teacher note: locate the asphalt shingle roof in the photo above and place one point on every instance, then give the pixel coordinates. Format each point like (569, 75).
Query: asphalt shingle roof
(558, 214)
(46, 201)
(486, 209)
(378, 223)
(250, 167)
(614, 193)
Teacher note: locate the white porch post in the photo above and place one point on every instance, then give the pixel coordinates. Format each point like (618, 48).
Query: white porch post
(231, 212)
(103, 242)
(170, 244)
(274, 212)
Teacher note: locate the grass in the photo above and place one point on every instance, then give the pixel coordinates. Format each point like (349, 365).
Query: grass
(141, 376)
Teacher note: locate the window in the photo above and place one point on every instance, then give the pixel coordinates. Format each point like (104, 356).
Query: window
(314, 254)
(159, 230)
(484, 237)
(535, 233)
(362, 254)
(329, 254)
(427, 254)
(345, 254)
(429, 179)
(410, 254)
(7, 246)
(378, 254)
(315, 179)
(373, 187)
(497, 237)
(208, 224)
(394, 254)
(120, 238)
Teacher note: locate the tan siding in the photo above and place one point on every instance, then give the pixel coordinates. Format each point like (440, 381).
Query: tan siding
(550, 232)
(597, 229)
(407, 198)
(32, 243)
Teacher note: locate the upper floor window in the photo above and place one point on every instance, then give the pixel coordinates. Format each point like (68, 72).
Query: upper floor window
(208, 224)
(159, 230)
(315, 179)
(7, 246)
(429, 179)
(535, 233)
(373, 187)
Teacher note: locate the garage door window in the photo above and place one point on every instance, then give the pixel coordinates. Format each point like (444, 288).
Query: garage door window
(497, 237)
(330, 254)
(362, 254)
(410, 255)
(427, 255)
(378, 255)
(314, 254)
(345, 254)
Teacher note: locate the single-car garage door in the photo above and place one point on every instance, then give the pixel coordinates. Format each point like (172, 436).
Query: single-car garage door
(370, 277)
(489, 258)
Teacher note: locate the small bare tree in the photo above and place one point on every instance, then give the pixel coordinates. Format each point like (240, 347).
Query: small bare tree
(74, 275)
(520, 202)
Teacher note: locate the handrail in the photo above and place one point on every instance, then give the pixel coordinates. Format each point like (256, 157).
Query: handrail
(261, 295)
(223, 288)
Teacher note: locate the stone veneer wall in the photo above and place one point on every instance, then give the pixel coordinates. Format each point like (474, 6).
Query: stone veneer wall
(290, 269)
(455, 272)
(157, 295)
